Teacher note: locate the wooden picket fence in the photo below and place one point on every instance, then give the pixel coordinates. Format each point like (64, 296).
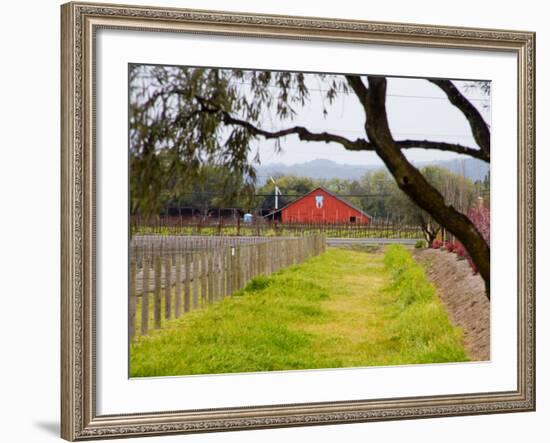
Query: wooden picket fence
(171, 277)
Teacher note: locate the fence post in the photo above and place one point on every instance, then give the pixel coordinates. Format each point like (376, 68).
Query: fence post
(204, 276)
(195, 272)
(275, 256)
(167, 286)
(228, 271)
(248, 261)
(267, 257)
(244, 264)
(254, 268)
(132, 301)
(279, 253)
(145, 296)
(253, 258)
(215, 275)
(239, 272)
(157, 299)
(289, 255)
(210, 278)
(235, 267)
(221, 255)
(263, 258)
(221, 285)
(178, 284)
(187, 284)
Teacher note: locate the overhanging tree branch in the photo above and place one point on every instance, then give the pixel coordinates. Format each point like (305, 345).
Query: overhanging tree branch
(443, 146)
(359, 144)
(477, 123)
(410, 180)
(303, 133)
(415, 185)
(480, 130)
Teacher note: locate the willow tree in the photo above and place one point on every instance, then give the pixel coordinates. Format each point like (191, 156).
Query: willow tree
(216, 115)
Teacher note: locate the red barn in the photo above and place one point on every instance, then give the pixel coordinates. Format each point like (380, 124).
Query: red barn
(322, 206)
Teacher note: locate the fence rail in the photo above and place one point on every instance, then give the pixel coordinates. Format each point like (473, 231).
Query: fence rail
(141, 244)
(170, 278)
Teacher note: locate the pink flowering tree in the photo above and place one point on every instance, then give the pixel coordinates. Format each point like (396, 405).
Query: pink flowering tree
(480, 216)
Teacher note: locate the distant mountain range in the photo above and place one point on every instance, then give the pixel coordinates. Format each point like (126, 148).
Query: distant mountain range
(471, 168)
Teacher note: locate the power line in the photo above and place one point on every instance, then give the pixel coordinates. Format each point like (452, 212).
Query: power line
(430, 97)
(337, 195)
(218, 194)
(427, 97)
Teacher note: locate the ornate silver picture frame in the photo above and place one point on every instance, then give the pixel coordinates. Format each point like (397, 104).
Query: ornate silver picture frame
(81, 22)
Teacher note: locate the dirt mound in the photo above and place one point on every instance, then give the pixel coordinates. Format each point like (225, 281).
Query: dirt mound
(463, 295)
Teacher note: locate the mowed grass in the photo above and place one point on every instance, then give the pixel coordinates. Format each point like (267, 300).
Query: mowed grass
(344, 308)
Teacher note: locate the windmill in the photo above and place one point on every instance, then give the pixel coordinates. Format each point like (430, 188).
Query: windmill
(277, 193)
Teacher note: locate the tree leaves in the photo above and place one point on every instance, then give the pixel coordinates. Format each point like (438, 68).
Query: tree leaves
(170, 132)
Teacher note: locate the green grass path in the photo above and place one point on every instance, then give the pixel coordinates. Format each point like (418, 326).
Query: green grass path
(344, 308)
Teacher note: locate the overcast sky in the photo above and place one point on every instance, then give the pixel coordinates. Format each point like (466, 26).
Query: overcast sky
(417, 109)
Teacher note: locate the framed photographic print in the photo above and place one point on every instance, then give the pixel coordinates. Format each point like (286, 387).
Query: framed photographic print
(284, 221)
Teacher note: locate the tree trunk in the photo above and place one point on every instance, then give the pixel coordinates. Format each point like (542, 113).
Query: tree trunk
(411, 181)
(429, 235)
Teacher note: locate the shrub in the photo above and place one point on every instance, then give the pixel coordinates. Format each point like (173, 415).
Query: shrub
(436, 244)
(420, 244)
(460, 251)
(451, 246)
